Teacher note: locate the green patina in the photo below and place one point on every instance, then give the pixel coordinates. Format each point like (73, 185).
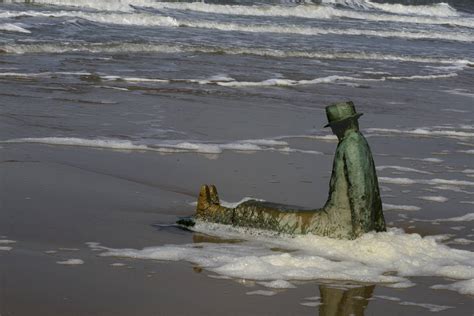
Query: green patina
(353, 207)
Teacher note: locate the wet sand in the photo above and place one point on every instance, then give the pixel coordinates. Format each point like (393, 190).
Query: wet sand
(60, 198)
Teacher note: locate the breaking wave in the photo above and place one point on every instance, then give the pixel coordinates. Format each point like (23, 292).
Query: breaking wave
(153, 20)
(441, 13)
(10, 27)
(226, 81)
(119, 48)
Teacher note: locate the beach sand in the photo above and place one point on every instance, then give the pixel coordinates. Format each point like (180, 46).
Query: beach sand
(55, 199)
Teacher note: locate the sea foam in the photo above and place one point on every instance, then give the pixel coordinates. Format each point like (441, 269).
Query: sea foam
(249, 145)
(421, 131)
(308, 257)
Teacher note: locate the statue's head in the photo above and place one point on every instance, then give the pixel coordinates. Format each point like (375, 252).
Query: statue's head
(341, 117)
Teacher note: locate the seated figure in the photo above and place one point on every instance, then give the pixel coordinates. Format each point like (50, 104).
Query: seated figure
(353, 207)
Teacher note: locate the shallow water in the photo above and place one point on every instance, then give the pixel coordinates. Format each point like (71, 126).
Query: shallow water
(237, 90)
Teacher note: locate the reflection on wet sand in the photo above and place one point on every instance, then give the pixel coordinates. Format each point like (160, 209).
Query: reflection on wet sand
(199, 238)
(344, 302)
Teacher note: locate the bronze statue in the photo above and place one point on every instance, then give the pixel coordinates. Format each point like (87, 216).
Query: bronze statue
(353, 207)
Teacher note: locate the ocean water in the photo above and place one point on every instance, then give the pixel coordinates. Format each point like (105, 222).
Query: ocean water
(252, 78)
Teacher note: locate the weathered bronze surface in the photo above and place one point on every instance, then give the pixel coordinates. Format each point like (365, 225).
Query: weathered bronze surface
(353, 207)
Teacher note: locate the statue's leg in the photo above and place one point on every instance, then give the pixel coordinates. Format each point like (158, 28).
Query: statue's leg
(209, 207)
(264, 215)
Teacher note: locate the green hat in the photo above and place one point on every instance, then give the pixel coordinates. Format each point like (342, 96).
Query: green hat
(339, 112)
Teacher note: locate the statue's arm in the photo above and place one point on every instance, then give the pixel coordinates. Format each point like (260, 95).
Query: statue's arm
(356, 166)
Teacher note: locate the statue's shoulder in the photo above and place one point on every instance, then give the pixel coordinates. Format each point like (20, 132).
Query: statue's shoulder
(354, 138)
(355, 142)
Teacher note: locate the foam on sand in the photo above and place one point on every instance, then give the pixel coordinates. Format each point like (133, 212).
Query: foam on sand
(262, 292)
(277, 284)
(440, 199)
(461, 241)
(406, 181)
(10, 27)
(235, 204)
(6, 242)
(311, 304)
(463, 287)
(403, 169)
(308, 257)
(168, 147)
(422, 131)
(464, 218)
(226, 81)
(71, 262)
(393, 207)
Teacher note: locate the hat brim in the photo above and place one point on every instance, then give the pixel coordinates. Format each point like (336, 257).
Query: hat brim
(355, 116)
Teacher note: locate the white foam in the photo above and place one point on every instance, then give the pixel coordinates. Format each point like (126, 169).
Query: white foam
(249, 145)
(430, 307)
(403, 169)
(6, 241)
(227, 81)
(367, 259)
(461, 241)
(388, 298)
(311, 304)
(71, 141)
(464, 218)
(434, 160)
(5, 248)
(235, 204)
(130, 19)
(466, 202)
(10, 27)
(436, 9)
(71, 262)
(452, 188)
(393, 207)
(470, 151)
(440, 199)
(261, 292)
(278, 284)
(425, 181)
(425, 131)
(328, 137)
(457, 92)
(325, 80)
(463, 287)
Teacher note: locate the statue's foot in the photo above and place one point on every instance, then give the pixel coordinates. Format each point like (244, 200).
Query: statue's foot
(208, 202)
